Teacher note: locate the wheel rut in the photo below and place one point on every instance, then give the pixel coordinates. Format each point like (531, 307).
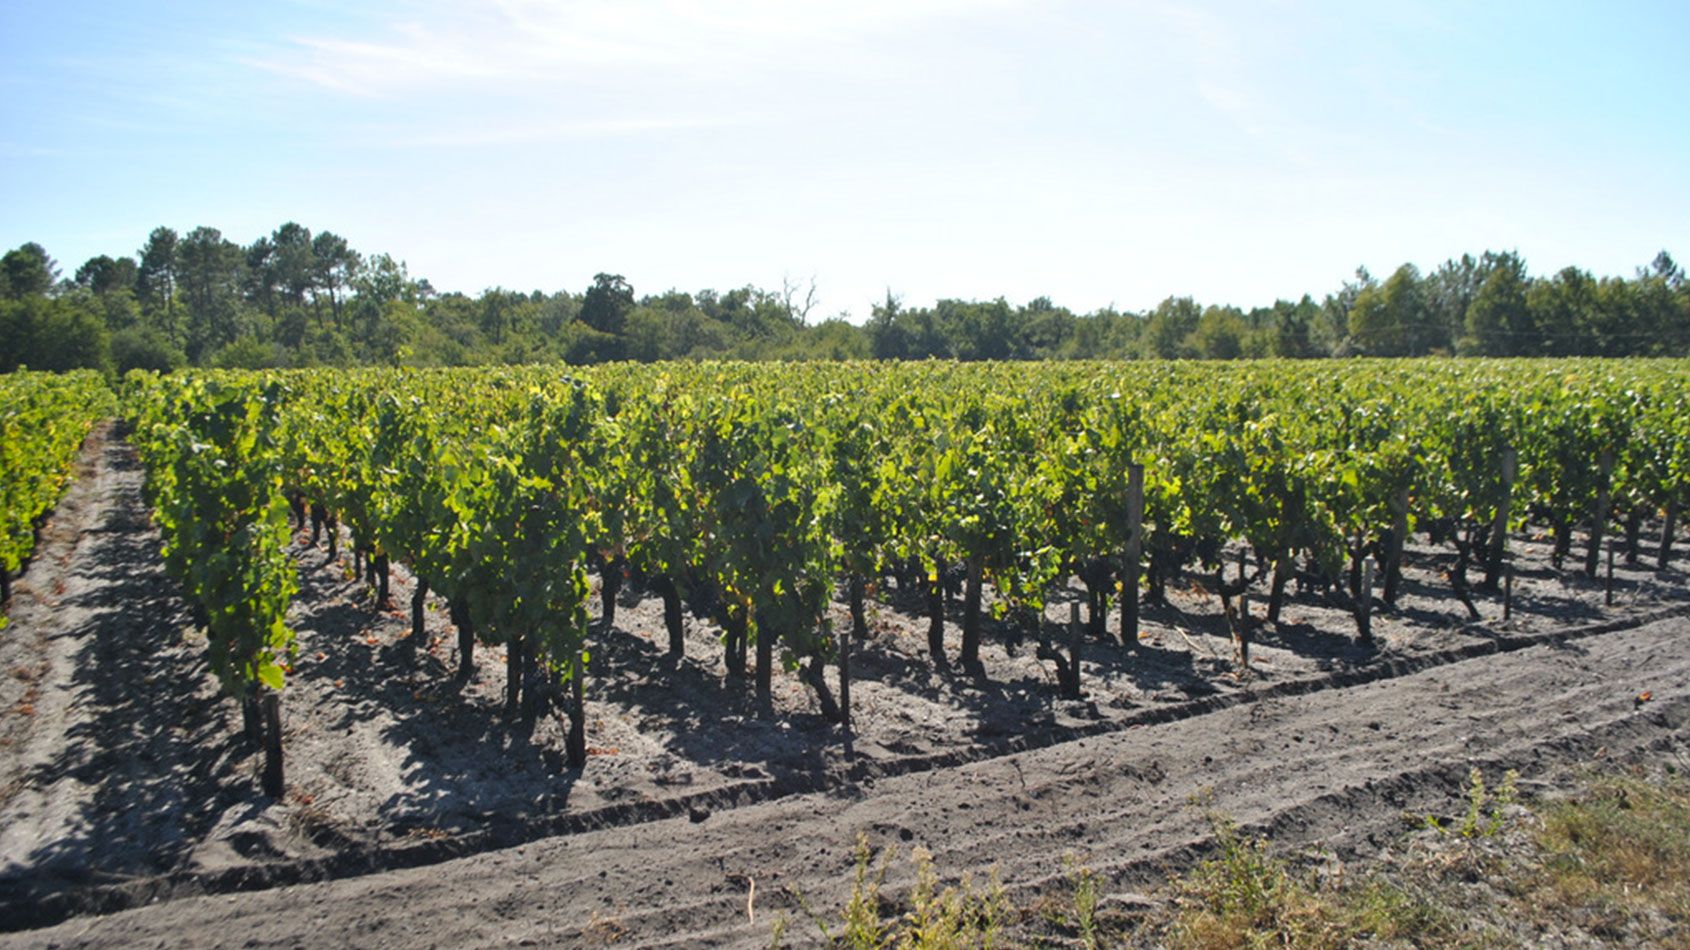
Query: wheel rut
(1336, 766)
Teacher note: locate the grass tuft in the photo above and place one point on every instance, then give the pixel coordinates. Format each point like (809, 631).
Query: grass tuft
(1622, 850)
(1247, 897)
(965, 916)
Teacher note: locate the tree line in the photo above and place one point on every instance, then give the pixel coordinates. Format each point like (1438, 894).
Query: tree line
(294, 298)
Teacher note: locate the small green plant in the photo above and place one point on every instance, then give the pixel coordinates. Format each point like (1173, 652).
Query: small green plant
(1242, 886)
(1084, 884)
(1486, 813)
(963, 916)
(1246, 897)
(939, 918)
(861, 927)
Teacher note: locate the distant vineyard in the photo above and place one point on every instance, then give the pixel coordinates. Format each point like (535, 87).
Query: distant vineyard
(752, 493)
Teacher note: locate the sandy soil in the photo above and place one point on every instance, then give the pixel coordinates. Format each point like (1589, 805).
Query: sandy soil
(125, 781)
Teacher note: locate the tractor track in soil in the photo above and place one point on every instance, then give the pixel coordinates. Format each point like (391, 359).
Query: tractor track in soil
(1349, 763)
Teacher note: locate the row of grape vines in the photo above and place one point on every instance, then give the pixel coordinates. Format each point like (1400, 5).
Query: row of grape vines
(752, 493)
(44, 419)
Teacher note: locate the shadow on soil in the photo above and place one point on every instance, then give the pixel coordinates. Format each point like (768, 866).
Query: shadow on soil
(158, 758)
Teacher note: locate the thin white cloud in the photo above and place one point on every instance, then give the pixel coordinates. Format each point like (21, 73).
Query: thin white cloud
(1216, 56)
(532, 133)
(1236, 58)
(443, 43)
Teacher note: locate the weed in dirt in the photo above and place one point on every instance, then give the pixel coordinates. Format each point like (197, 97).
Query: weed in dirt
(1084, 884)
(861, 926)
(1075, 914)
(605, 931)
(967, 915)
(1486, 813)
(1247, 897)
(1611, 865)
(1622, 851)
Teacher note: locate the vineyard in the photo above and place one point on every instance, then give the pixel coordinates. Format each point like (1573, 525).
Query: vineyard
(43, 420)
(755, 493)
(667, 589)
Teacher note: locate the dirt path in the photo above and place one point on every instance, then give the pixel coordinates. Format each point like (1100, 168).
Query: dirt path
(123, 760)
(1339, 765)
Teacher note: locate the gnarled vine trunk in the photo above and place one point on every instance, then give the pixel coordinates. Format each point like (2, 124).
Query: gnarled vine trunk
(466, 637)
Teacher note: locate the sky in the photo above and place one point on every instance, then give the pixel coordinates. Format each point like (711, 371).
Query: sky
(1098, 152)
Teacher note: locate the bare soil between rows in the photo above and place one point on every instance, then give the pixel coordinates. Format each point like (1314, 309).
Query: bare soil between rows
(125, 781)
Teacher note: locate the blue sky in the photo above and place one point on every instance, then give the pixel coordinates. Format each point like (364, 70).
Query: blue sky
(1095, 152)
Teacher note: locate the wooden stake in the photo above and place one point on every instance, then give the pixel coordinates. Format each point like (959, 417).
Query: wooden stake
(936, 616)
(513, 675)
(1076, 633)
(1499, 525)
(1133, 555)
(842, 642)
(575, 746)
(1508, 593)
(1243, 588)
(419, 597)
(1364, 603)
(1667, 530)
(764, 688)
(969, 657)
(1399, 532)
(1608, 592)
(1291, 509)
(1599, 514)
(272, 780)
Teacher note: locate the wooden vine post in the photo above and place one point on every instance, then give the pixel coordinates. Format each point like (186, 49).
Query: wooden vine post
(1499, 524)
(969, 658)
(842, 642)
(765, 665)
(419, 602)
(1239, 620)
(1608, 585)
(513, 675)
(1134, 554)
(1289, 509)
(1599, 514)
(272, 777)
(1508, 593)
(1076, 634)
(1244, 588)
(575, 746)
(1399, 534)
(1364, 603)
(936, 616)
(1667, 529)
